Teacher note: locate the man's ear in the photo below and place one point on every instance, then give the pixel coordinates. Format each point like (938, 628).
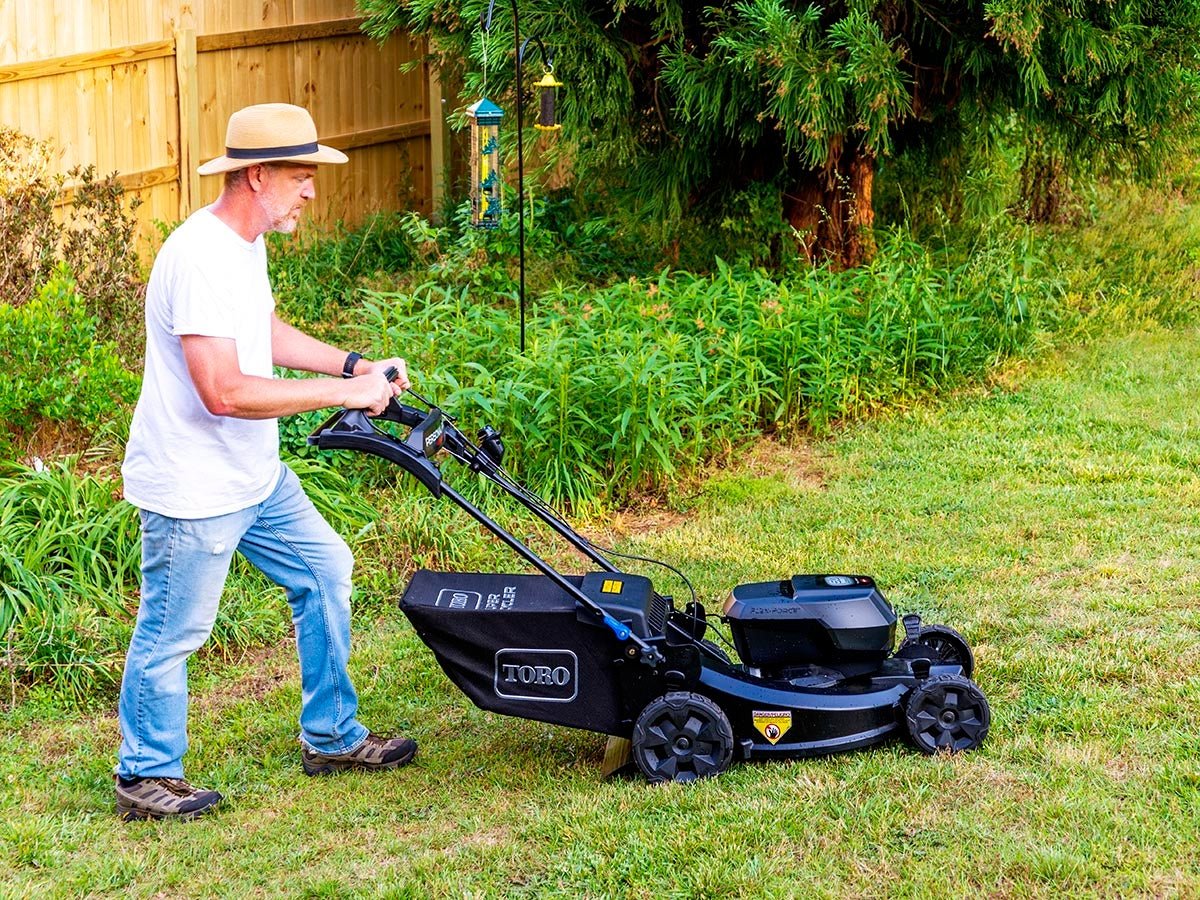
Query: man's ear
(255, 176)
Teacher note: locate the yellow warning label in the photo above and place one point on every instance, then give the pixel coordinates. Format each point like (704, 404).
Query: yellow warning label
(772, 723)
(611, 586)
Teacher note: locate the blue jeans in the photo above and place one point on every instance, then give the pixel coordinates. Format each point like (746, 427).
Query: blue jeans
(184, 565)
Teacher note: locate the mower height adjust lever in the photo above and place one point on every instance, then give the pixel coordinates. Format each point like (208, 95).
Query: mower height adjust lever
(647, 653)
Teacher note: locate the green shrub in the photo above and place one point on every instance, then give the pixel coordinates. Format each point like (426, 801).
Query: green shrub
(90, 232)
(55, 368)
(621, 388)
(28, 230)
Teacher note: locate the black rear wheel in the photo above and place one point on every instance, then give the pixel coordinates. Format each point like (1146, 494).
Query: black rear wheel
(682, 736)
(942, 644)
(947, 713)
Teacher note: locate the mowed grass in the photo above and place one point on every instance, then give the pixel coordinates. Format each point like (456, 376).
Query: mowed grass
(1054, 519)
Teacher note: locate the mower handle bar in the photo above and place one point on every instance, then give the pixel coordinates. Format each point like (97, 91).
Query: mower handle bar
(353, 429)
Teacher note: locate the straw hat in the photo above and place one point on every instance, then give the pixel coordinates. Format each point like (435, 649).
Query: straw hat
(270, 132)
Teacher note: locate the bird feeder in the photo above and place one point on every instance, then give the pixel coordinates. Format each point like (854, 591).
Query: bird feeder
(486, 180)
(548, 93)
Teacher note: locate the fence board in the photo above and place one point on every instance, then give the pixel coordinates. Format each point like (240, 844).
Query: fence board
(355, 140)
(25, 37)
(79, 62)
(132, 181)
(282, 34)
(188, 146)
(8, 33)
(144, 88)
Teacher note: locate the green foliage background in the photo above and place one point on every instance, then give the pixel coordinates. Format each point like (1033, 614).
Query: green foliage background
(679, 109)
(622, 389)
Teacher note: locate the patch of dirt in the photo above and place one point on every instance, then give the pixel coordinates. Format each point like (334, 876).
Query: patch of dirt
(800, 464)
(263, 670)
(55, 440)
(635, 520)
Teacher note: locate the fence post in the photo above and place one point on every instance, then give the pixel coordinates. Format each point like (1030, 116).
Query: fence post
(189, 120)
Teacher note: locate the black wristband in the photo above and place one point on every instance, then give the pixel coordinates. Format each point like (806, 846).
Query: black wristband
(348, 366)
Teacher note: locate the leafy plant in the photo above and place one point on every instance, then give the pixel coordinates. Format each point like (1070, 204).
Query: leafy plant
(70, 555)
(69, 561)
(89, 229)
(623, 388)
(57, 370)
(314, 274)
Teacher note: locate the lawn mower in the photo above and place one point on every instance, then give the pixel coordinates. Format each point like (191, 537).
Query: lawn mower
(817, 673)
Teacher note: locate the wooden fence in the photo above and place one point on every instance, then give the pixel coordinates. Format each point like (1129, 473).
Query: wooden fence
(145, 88)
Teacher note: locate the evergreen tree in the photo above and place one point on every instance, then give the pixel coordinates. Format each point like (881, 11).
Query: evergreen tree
(686, 104)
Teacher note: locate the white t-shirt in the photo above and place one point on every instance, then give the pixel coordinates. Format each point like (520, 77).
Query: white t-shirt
(182, 461)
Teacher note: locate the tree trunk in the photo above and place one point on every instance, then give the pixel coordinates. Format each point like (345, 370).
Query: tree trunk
(833, 212)
(1045, 193)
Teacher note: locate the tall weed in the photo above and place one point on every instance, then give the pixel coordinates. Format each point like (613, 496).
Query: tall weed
(621, 388)
(1136, 262)
(70, 557)
(313, 275)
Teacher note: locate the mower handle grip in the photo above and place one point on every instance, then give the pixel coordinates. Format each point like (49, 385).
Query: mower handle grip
(352, 429)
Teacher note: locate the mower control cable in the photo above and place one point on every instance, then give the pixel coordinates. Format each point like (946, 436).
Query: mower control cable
(507, 481)
(468, 453)
(549, 514)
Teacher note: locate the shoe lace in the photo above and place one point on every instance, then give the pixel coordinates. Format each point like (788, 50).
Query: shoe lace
(177, 786)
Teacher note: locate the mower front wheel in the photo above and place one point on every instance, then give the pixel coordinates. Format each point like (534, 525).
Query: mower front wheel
(682, 736)
(947, 713)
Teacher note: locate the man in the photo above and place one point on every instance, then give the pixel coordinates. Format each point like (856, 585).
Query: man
(202, 465)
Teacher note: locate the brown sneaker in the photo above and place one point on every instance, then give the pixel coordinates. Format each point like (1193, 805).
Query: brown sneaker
(162, 798)
(373, 753)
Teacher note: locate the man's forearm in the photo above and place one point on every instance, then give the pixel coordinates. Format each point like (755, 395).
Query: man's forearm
(227, 391)
(250, 397)
(293, 349)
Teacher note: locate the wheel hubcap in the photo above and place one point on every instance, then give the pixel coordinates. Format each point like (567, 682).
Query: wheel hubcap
(683, 742)
(949, 718)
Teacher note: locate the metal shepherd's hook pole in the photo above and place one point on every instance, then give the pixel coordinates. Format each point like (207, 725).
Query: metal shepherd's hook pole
(487, 26)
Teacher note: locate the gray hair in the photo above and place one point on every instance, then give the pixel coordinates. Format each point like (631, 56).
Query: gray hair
(236, 179)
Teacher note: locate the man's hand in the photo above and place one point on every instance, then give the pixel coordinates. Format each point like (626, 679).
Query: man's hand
(371, 392)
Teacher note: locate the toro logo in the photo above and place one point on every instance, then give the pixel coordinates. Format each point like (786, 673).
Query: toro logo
(551, 676)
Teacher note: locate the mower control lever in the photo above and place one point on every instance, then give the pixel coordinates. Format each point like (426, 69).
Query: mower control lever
(395, 411)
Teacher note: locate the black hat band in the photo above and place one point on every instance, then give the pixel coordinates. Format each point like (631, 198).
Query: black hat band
(269, 152)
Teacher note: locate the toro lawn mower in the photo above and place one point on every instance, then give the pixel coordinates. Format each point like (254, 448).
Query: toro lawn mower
(605, 652)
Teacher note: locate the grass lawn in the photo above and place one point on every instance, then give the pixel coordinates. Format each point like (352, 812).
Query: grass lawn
(1055, 522)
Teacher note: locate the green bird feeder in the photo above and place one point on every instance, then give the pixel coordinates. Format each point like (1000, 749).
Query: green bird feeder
(486, 177)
